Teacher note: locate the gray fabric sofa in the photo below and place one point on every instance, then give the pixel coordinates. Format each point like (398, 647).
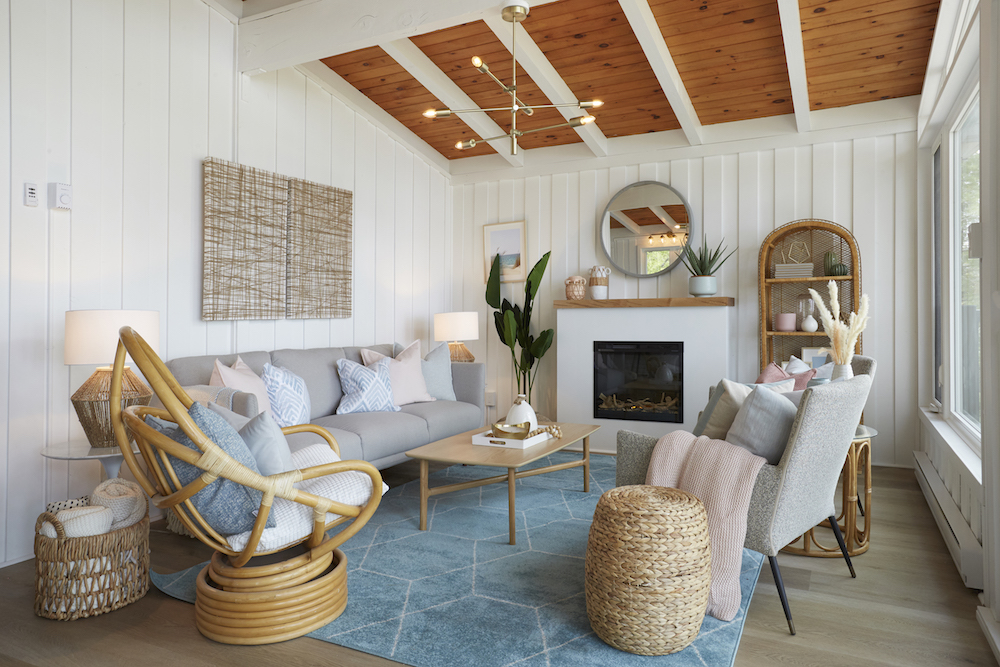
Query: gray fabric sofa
(381, 438)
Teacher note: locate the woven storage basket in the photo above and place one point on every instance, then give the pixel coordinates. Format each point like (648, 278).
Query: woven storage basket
(648, 569)
(77, 577)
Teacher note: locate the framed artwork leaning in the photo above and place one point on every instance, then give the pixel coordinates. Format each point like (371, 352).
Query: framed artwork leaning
(507, 240)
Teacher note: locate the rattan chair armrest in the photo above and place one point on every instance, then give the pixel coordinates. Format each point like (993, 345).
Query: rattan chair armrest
(318, 430)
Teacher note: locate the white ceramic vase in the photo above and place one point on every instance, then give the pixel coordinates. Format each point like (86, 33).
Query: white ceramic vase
(521, 412)
(809, 324)
(842, 372)
(702, 285)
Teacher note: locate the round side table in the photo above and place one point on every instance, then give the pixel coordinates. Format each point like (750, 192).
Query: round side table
(856, 533)
(80, 450)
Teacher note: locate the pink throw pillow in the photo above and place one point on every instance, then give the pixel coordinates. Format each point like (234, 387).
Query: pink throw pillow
(242, 378)
(774, 373)
(406, 374)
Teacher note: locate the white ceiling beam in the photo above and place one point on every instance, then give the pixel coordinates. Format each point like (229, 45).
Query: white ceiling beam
(665, 217)
(334, 84)
(315, 29)
(643, 23)
(430, 76)
(795, 59)
(541, 71)
(627, 222)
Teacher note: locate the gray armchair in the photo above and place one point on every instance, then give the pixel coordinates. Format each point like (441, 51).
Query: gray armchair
(796, 494)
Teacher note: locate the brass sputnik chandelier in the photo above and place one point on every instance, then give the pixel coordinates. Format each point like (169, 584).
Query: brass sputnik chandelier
(514, 11)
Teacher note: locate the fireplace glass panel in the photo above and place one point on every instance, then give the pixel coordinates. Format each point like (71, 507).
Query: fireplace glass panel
(639, 381)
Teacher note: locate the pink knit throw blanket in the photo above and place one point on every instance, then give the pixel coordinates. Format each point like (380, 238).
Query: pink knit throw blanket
(722, 476)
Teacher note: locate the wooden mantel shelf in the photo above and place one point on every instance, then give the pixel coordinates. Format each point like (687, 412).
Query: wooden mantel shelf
(685, 302)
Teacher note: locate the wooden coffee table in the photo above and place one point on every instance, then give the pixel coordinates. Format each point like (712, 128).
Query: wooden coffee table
(459, 449)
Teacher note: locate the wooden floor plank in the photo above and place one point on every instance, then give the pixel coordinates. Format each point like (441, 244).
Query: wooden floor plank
(908, 607)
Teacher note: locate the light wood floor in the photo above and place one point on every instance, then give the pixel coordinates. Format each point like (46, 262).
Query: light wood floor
(907, 607)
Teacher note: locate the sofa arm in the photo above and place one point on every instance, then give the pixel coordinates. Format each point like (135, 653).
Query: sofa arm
(241, 402)
(634, 452)
(469, 380)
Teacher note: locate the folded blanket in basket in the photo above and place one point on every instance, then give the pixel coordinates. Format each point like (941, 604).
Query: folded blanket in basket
(124, 498)
(80, 522)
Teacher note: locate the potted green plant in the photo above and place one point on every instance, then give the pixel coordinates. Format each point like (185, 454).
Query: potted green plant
(703, 263)
(514, 324)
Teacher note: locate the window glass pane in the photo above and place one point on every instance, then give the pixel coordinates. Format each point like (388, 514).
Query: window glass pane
(966, 311)
(657, 260)
(938, 360)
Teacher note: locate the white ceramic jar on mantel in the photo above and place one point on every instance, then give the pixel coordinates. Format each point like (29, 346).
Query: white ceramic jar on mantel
(702, 285)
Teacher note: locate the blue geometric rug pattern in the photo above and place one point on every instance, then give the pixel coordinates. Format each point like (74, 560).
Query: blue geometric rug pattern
(458, 594)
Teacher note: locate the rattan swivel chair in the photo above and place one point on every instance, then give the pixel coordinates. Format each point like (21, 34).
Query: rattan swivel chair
(301, 586)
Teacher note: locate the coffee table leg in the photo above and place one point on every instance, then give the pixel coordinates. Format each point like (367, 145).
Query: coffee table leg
(510, 501)
(423, 494)
(586, 464)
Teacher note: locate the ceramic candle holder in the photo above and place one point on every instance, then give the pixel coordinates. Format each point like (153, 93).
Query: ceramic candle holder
(784, 322)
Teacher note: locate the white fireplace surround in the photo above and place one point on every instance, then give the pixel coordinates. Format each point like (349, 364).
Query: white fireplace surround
(703, 330)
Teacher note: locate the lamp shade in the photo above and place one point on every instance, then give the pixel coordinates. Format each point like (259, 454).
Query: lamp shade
(92, 335)
(456, 326)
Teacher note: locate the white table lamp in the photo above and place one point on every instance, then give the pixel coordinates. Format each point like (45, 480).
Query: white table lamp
(92, 339)
(454, 328)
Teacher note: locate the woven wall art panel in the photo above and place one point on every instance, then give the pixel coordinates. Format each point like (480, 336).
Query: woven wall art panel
(319, 247)
(274, 247)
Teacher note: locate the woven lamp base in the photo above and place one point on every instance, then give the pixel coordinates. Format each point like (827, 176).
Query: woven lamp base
(648, 569)
(93, 403)
(459, 352)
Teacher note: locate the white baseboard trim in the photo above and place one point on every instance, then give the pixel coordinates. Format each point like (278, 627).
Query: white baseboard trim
(965, 549)
(8, 563)
(990, 628)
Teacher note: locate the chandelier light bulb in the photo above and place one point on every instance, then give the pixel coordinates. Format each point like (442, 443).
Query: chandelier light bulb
(663, 239)
(593, 104)
(430, 113)
(462, 145)
(587, 119)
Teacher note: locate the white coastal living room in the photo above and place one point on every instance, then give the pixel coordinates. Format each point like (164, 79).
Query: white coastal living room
(520, 263)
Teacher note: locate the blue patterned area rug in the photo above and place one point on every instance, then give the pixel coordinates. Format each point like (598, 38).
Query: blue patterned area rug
(458, 594)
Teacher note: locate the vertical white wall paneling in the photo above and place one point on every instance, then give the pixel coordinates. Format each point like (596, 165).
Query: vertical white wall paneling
(290, 160)
(403, 241)
(343, 126)
(58, 150)
(6, 205)
(617, 287)
(730, 226)
(589, 213)
(678, 174)
(543, 393)
(421, 320)
(749, 239)
(317, 142)
(824, 186)
(26, 428)
(904, 299)
(803, 184)
(365, 183)
(385, 242)
(882, 266)
(108, 81)
(647, 287)
(785, 185)
(439, 199)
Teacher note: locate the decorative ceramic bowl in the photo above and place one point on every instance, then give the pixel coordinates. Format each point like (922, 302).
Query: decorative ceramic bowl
(512, 431)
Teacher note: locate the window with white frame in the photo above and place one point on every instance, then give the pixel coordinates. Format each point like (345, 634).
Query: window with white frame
(956, 299)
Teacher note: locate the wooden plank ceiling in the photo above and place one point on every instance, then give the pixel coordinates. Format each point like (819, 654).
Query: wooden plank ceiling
(729, 54)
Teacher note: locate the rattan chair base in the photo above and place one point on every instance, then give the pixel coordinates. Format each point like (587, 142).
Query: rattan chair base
(276, 605)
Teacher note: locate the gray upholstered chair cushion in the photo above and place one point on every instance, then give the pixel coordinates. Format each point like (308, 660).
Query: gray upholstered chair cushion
(445, 418)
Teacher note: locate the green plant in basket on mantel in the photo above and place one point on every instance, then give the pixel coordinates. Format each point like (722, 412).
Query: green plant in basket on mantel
(843, 335)
(703, 263)
(513, 323)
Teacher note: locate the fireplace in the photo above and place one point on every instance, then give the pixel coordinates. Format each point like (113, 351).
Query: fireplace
(640, 381)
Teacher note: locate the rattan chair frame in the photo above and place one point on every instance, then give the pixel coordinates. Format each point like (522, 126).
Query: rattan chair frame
(308, 589)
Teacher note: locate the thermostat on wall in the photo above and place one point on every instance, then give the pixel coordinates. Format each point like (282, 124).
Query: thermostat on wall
(60, 196)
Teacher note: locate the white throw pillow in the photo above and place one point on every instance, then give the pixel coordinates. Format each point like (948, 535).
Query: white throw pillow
(725, 403)
(405, 374)
(240, 377)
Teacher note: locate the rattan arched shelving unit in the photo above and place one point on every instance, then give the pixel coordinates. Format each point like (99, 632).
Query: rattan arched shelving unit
(781, 295)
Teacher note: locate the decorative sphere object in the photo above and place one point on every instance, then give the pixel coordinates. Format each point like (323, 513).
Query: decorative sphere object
(809, 324)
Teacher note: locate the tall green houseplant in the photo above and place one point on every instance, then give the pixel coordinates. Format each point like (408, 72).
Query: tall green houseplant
(514, 324)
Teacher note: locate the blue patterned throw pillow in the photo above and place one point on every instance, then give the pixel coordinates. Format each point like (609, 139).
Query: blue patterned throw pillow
(366, 389)
(288, 395)
(228, 507)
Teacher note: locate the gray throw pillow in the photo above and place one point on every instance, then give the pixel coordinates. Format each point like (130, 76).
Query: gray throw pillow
(226, 506)
(264, 438)
(436, 367)
(763, 424)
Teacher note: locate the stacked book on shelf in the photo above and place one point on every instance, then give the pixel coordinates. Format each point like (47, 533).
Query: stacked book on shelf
(804, 270)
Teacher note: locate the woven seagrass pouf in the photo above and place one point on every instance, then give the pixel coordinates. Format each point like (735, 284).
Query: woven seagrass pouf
(648, 569)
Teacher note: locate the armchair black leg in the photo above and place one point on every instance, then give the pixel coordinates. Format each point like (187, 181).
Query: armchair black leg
(781, 591)
(843, 547)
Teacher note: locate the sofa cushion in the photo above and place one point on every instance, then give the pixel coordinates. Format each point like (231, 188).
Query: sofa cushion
(446, 418)
(365, 389)
(198, 370)
(382, 434)
(405, 374)
(349, 443)
(318, 368)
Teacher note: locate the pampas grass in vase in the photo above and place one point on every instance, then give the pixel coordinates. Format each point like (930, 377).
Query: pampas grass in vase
(843, 335)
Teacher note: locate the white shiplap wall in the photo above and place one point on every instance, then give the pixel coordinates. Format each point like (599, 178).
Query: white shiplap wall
(123, 100)
(865, 184)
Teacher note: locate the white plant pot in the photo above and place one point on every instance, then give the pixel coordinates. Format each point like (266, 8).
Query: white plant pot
(809, 324)
(521, 412)
(702, 285)
(842, 372)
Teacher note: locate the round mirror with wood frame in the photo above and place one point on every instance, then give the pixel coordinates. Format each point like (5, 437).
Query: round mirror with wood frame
(644, 229)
